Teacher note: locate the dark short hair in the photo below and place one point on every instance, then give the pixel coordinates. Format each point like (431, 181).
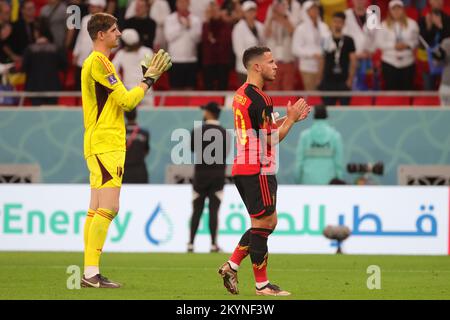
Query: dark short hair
(253, 52)
(213, 108)
(41, 26)
(100, 22)
(320, 111)
(340, 15)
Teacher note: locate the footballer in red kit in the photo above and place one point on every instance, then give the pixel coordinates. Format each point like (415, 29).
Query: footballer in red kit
(258, 131)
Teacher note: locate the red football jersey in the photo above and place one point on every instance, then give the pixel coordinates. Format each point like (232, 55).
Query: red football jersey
(252, 110)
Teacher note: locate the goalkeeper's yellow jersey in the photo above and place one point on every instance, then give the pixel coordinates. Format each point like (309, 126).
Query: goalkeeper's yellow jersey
(105, 98)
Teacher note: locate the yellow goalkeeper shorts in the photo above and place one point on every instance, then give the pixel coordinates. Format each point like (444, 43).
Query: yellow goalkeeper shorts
(106, 169)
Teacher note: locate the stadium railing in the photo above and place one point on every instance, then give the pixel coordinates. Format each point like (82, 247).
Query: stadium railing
(224, 98)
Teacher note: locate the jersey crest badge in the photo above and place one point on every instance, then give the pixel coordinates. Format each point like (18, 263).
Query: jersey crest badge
(112, 79)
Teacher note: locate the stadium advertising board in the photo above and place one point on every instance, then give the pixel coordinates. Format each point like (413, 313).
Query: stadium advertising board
(383, 220)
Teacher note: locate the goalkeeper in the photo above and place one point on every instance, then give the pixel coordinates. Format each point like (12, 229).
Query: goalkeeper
(105, 99)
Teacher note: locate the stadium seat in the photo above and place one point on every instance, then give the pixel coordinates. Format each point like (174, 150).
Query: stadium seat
(68, 101)
(314, 100)
(281, 101)
(198, 101)
(183, 101)
(447, 7)
(38, 5)
(163, 83)
(233, 81)
(412, 12)
(398, 101)
(361, 101)
(426, 101)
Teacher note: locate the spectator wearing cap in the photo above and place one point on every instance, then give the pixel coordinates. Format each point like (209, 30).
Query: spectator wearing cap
(210, 145)
(183, 32)
(55, 15)
(397, 39)
(142, 23)
(281, 20)
(42, 62)
(83, 44)
(434, 27)
(319, 152)
(307, 45)
(340, 62)
(216, 49)
(138, 148)
(248, 32)
(125, 61)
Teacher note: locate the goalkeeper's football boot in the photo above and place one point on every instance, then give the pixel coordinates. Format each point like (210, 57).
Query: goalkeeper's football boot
(229, 277)
(272, 290)
(99, 281)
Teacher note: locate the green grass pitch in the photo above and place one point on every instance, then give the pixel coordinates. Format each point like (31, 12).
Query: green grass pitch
(38, 275)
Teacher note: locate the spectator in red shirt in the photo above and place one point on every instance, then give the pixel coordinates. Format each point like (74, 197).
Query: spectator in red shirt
(216, 49)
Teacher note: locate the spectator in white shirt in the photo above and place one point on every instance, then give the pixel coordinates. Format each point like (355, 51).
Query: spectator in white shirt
(356, 27)
(83, 44)
(125, 61)
(282, 18)
(397, 39)
(307, 45)
(159, 11)
(183, 31)
(248, 32)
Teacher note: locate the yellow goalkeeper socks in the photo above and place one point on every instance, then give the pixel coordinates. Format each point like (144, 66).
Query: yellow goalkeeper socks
(97, 236)
(87, 225)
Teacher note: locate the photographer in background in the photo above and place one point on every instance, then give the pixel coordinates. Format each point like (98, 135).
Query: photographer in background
(138, 147)
(210, 144)
(319, 152)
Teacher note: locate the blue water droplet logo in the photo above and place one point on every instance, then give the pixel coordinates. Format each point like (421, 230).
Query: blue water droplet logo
(159, 213)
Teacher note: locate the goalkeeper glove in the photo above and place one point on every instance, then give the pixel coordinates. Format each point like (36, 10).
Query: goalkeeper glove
(153, 68)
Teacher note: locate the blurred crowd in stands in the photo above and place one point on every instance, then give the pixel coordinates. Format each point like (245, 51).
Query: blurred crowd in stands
(318, 45)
